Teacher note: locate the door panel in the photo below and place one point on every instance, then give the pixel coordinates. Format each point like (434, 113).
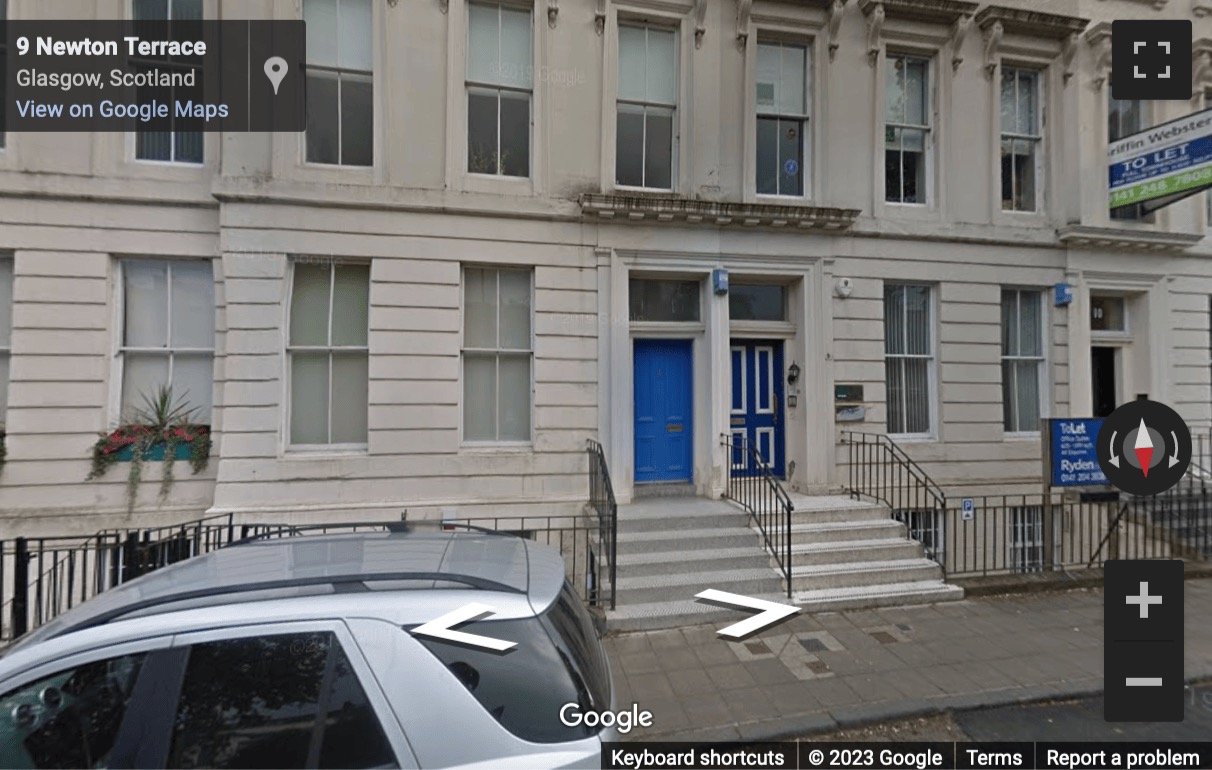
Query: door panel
(756, 414)
(664, 380)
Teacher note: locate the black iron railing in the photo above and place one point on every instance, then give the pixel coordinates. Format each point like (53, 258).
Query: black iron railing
(752, 485)
(606, 509)
(1180, 518)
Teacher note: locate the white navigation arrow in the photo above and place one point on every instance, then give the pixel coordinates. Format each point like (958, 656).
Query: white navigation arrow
(1174, 457)
(1114, 457)
(441, 628)
(771, 612)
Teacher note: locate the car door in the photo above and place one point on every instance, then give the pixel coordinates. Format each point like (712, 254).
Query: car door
(281, 695)
(81, 709)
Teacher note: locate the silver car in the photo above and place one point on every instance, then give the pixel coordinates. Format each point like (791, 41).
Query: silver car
(298, 652)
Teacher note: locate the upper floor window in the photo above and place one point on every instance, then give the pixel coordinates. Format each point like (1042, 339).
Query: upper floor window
(646, 142)
(328, 348)
(168, 146)
(497, 352)
(1022, 139)
(906, 129)
(3, 65)
(340, 82)
(500, 78)
(1022, 360)
(1124, 118)
(909, 358)
(782, 118)
(168, 334)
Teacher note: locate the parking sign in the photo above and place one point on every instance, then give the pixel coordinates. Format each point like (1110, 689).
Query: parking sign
(969, 509)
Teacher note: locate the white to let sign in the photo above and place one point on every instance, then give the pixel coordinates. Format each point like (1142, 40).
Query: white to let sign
(968, 509)
(1170, 160)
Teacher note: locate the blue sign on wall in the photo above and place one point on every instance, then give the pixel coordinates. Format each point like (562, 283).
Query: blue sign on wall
(1074, 457)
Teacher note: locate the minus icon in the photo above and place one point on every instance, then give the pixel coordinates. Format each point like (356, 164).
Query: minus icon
(1144, 681)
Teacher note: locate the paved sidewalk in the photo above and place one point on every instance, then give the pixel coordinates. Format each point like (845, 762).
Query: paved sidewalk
(830, 670)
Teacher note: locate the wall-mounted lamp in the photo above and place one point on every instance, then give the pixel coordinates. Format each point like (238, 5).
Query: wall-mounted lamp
(793, 373)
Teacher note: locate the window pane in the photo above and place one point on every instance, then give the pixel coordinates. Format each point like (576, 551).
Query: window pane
(515, 134)
(82, 730)
(633, 46)
(662, 67)
(309, 305)
(350, 385)
(187, 10)
(894, 90)
(894, 378)
(757, 302)
(516, 57)
(6, 302)
(350, 305)
(1008, 180)
(893, 186)
(1009, 108)
(791, 157)
(515, 309)
(664, 300)
(894, 319)
(916, 99)
(479, 397)
(322, 118)
(629, 155)
(321, 22)
(193, 384)
(917, 319)
(1009, 410)
(791, 95)
(145, 296)
(357, 121)
(1027, 396)
(480, 308)
(917, 395)
(483, 43)
(768, 156)
(1028, 122)
(1107, 313)
(309, 398)
(143, 374)
(1024, 174)
(1031, 324)
(482, 130)
(769, 77)
(154, 145)
(356, 41)
(658, 152)
(150, 10)
(193, 304)
(4, 375)
(189, 146)
(1010, 323)
(514, 398)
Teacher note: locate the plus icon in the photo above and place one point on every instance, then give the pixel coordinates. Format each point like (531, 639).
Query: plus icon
(1144, 600)
(1151, 59)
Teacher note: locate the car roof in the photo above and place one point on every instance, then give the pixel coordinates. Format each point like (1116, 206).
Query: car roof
(294, 566)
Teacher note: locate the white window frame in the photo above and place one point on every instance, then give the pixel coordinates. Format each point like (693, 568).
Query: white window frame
(675, 107)
(340, 72)
(931, 358)
(1037, 138)
(927, 129)
(118, 409)
(288, 378)
(1041, 359)
(804, 119)
(174, 135)
(469, 85)
(464, 349)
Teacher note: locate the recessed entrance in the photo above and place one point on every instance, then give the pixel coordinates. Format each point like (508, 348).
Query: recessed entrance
(756, 413)
(664, 394)
(1103, 375)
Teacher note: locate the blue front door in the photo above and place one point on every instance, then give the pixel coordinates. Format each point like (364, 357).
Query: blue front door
(756, 416)
(664, 379)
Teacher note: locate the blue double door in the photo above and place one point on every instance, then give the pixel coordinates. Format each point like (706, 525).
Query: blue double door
(756, 414)
(664, 408)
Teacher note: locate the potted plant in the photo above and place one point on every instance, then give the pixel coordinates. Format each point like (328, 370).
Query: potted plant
(162, 430)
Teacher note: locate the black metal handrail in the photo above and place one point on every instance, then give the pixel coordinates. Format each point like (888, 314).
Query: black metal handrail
(761, 494)
(1181, 516)
(602, 501)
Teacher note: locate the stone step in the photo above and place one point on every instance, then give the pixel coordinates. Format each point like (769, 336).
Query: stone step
(881, 549)
(840, 515)
(833, 532)
(882, 595)
(679, 613)
(656, 541)
(692, 560)
(682, 586)
(681, 520)
(812, 577)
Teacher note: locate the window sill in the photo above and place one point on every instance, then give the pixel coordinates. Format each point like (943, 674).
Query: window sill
(334, 451)
(783, 200)
(497, 183)
(914, 438)
(492, 448)
(623, 188)
(1021, 436)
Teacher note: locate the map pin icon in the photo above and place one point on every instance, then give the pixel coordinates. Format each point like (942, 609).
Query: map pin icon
(275, 70)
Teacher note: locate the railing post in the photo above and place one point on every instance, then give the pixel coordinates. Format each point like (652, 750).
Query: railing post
(21, 588)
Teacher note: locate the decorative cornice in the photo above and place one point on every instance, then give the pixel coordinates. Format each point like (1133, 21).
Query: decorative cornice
(553, 12)
(1201, 9)
(700, 22)
(444, 5)
(837, 9)
(1201, 65)
(992, 36)
(599, 18)
(1098, 38)
(1157, 4)
(1017, 21)
(664, 209)
(744, 9)
(874, 10)
(942, 12)
(959, 31)
(1069, 55)
(1089, 236)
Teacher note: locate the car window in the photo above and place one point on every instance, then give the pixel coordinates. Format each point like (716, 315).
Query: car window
(554, 663)
(276, 701)
(68, 719)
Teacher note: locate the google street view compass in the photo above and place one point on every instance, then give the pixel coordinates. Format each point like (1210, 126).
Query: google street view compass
(1144, 447)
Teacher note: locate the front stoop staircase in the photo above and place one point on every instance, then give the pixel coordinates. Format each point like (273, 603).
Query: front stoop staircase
(846, 554)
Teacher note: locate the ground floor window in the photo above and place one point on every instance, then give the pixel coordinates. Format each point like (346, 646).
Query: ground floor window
(1026, 537)
(498, 350)
(926, 527)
